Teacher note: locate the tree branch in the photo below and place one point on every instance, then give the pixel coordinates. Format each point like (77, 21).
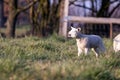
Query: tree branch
(72, 2)
(113, 1)
(27, 7)
(114, 9)
(85, 7)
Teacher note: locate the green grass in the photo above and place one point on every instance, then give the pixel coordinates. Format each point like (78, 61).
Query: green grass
(54, 58)
(19, 29)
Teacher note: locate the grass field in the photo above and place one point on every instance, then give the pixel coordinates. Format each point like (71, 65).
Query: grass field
(19, 29)
(54, 58)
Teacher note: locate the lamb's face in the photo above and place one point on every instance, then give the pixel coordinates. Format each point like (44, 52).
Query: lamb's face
(73, 32)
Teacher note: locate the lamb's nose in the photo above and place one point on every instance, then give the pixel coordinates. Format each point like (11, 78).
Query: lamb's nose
(69, 35)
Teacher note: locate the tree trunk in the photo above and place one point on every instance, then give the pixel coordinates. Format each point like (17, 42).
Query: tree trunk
(1, 13)
(103, 12)
(44, 18)
(61, 18)
(11, 22)
(12, 18)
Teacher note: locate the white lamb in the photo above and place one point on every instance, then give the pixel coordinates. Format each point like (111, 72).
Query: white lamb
(87, 42)
(116, 43)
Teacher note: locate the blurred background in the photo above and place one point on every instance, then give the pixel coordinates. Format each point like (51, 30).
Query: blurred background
(20, 18)
(32, 46)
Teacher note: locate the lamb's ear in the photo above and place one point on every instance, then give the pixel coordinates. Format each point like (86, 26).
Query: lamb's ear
(79, 29)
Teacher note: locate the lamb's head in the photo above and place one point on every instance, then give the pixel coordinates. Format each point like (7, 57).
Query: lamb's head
(73, 32)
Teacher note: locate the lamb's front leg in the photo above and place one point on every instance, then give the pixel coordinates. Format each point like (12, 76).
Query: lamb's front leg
(86, 51)
(79, 51)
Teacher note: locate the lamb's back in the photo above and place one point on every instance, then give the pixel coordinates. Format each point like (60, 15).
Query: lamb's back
(93, 40)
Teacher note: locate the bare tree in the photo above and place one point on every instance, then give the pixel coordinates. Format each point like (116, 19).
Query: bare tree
(45, 17)
(99, 10)
(103, 10)
(14, 11)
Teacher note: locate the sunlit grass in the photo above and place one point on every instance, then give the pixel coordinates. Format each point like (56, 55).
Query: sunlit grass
(54, 58)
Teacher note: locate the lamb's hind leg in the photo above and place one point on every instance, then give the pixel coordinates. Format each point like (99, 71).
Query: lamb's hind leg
(96, 51)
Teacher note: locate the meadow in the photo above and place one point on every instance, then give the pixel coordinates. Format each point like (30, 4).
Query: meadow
(54, 58)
